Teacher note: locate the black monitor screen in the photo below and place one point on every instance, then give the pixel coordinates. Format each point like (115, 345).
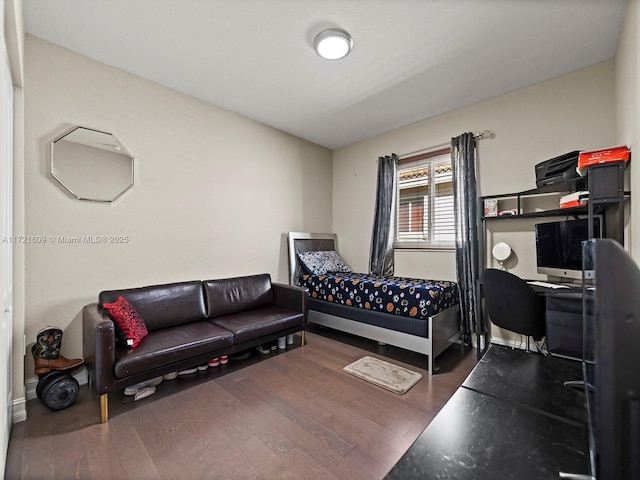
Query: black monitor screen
(612, 361)
(559, 246)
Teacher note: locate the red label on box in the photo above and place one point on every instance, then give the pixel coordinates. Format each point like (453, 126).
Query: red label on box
(617, 154)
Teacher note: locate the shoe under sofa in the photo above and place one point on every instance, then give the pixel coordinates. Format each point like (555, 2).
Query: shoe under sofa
(188, 323)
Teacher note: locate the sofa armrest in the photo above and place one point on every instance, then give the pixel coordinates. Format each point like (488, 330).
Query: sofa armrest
(98, 347)
(293, 298)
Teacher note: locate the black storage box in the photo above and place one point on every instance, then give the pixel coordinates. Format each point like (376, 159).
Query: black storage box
(564, 325)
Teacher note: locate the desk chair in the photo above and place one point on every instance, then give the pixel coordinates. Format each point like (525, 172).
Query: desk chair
(513, 305)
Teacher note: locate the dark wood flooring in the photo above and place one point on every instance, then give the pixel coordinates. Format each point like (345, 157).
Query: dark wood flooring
(291, 414)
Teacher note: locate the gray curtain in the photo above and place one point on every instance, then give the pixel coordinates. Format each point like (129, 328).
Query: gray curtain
(465, 214)
(381, 257)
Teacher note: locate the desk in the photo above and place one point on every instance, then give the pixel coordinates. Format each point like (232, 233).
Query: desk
(541, 290)
(512, 418)
(563, 317)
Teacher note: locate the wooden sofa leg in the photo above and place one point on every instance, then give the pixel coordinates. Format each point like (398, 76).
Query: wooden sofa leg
(302, 338)
(104, 408)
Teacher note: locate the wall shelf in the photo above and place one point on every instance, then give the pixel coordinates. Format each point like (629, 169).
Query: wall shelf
(599, 208)
(604, 182)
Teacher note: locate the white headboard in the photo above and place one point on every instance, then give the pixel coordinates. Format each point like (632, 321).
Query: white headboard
(306, 242)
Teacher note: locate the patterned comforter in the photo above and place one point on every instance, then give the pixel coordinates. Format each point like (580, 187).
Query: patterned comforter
(407, 297)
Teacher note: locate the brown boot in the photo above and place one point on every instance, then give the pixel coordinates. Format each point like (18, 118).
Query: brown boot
(61, 363)
(46, 353)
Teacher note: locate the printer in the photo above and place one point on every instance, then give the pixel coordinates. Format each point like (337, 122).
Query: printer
(557, 169)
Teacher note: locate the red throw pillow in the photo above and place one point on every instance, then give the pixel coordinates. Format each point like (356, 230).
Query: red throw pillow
(128, 321)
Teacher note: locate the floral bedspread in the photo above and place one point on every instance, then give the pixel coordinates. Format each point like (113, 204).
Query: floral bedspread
(408, 297)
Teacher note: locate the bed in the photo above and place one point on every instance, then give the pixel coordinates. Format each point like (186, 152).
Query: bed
(418, 315)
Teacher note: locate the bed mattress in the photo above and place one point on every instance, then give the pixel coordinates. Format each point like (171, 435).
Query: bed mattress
(406, 297)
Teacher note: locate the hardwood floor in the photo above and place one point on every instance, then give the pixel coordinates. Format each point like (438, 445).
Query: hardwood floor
(291, 414)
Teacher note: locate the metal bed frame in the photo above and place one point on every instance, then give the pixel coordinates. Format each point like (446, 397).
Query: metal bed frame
(443, 329)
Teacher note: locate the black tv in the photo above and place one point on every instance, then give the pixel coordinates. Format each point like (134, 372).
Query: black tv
(611, 365)
(559, 246)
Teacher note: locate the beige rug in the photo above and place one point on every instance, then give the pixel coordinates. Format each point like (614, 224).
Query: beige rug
(384, 374)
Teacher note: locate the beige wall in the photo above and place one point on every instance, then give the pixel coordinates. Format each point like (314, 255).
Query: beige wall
(571, 112)
(627, 88)
(574, 111)
(214, 192)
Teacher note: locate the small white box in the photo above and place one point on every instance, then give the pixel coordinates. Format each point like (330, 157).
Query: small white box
(575, 199)
(491, 207)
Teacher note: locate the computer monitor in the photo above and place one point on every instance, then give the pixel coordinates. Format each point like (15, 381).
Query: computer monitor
(559, 246)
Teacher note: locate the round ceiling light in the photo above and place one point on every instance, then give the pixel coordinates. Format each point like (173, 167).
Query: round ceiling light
(333, 44)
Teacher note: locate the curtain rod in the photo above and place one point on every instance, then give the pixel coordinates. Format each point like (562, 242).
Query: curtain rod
(484, 134)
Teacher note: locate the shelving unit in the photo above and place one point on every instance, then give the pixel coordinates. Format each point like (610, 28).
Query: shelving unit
(606, 197)
(573, 185)
(604, 182)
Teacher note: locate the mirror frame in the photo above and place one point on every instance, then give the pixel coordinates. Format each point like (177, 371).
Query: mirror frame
(66, 188)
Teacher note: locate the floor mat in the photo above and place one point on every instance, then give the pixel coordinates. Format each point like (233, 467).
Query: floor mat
(384, 374)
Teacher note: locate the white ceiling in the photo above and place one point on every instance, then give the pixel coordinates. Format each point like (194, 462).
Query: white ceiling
(411, 60)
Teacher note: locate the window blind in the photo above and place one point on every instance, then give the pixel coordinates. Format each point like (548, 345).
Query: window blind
(424, 213)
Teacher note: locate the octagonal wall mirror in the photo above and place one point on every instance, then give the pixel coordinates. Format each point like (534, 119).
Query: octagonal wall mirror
(91, 165)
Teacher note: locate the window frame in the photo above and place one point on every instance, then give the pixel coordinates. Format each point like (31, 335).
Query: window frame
(427, 159)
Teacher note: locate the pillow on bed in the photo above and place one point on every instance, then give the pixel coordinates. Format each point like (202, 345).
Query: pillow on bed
(321, 262)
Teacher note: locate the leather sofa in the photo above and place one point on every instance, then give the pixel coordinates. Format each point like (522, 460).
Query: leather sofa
(188, 323)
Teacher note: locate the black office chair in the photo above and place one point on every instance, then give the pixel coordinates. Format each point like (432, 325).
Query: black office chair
(513, 305)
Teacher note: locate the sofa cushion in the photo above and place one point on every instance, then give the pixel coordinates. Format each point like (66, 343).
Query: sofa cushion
(171, 344)
(259, 322)
(231, 295)
(163, 305)
(129, 323)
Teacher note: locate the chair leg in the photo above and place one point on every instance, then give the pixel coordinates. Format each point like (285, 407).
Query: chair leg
(302, 332)
(104, 408)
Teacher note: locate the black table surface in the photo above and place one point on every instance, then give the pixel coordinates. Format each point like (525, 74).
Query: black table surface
(511, 419)
(530, 380)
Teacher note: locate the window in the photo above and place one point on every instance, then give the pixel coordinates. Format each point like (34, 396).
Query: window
(424, 206)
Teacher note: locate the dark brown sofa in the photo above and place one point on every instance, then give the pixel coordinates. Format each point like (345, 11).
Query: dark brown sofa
(189, 323)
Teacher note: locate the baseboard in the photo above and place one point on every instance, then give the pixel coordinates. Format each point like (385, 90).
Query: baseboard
(31, 384)
(19, 408)
(507, 343)
(522, 344)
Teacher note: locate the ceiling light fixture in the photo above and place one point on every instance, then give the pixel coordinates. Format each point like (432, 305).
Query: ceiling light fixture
(333, 44)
